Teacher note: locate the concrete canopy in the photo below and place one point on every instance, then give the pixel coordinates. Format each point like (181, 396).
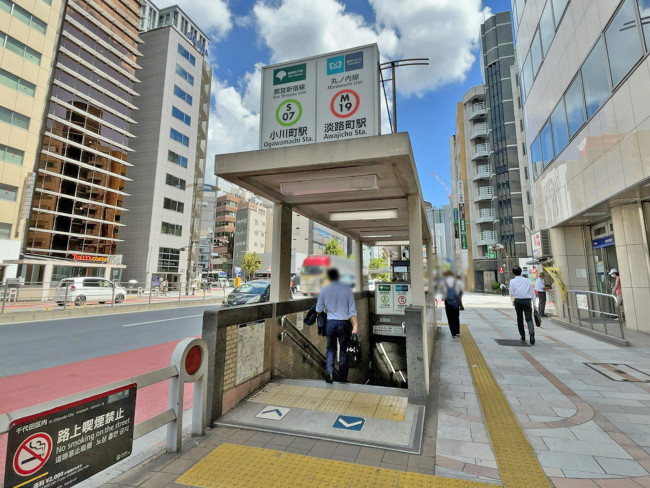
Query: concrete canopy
(321, 180)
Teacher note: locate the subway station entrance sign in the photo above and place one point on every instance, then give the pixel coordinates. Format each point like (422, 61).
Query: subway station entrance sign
(319, 99)
(60, 448)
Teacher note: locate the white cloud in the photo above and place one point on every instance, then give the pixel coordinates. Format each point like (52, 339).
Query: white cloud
(446, 31)
(211, 16)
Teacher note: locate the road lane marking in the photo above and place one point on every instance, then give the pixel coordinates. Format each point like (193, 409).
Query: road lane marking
(163, 320)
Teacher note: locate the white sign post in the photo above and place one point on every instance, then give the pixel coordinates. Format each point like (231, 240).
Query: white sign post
(322, 98)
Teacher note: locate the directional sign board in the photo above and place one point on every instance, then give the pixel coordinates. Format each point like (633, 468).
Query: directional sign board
(64, 446)
(271, 412)
(349, 423)
(330, 97)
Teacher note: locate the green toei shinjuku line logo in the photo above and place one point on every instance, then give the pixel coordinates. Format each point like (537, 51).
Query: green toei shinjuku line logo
(289, 74)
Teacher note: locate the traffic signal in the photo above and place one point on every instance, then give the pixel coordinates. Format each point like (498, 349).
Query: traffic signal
(501, 270)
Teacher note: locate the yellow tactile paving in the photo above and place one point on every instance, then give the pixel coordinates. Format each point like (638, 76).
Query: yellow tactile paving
(386, 407)
(231, 466)
(333, 406)
(361, 409)
(516, 459)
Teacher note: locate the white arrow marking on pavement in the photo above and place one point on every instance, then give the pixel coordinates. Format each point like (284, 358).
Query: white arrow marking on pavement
(351, 424)
(163, 320)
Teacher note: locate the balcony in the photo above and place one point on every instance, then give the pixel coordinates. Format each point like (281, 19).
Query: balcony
(482, 172)
(484, 193)
(486, 238)
(481, 150)
(478, 130)
(478, 110)
(485, 215)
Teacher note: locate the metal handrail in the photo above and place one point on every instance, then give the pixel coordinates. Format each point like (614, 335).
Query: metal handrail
(591, 309)
(308, 347)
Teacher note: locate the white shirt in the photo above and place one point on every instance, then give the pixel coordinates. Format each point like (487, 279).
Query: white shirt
(539, 285)
(521, 287)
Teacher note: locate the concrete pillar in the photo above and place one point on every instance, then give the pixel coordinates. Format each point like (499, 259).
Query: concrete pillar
(570, 256)
(358, 265)
(633, 264)
(430, 272)
(281, 254)
(417, 275)
(47, 278)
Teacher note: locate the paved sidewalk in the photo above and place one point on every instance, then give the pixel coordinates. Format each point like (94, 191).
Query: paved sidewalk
(587, 429)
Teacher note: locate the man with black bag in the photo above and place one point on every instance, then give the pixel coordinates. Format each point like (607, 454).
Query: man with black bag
(337, 298)
(523, 298)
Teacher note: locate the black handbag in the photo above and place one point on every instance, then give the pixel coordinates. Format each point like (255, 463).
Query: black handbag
(353, 351)
(537, 318)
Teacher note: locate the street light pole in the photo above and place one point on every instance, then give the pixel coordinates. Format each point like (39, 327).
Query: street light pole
(396, 64)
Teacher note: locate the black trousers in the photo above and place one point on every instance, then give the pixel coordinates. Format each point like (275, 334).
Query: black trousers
(453, 317)
(524, 306)
(541, 303)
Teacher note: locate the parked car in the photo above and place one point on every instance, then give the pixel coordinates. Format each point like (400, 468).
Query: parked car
(82, 290)
(255, 291)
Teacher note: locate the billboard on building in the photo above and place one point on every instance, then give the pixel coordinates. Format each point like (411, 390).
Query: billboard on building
(323, 98)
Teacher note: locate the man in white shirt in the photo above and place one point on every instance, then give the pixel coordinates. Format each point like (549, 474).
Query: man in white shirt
(540, 288)
(522, 294)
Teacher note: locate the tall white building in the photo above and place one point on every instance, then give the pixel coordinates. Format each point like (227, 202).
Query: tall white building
(162, 228)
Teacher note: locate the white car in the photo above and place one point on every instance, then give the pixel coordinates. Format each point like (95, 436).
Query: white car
(82, 290)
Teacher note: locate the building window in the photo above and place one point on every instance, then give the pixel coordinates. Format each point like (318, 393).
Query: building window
(644, 9)
(171, 229)
(180, 93)
(23, 15)
(16, 83)
(14, 118)
(168, 259)
(5, 231)
(546, 141)
(174, 205)
(11, 155)
(180, 115)
(527, 76)
(175, 182)
(536, 158)
(623, 43)
(8, 192)
(547, 27)
(178, 137)
(559, 126)
(172, 157)
(536, 53)
(17, 47)
(575, 107)
(186, 54)
(594, 78)
(558, 9)
(184, 74)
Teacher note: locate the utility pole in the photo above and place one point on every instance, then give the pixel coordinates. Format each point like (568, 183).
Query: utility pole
(396, 64)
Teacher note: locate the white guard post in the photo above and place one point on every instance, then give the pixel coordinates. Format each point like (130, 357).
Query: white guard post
(190, 357)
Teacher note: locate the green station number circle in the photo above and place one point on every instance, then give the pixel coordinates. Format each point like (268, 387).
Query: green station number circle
(286, 112)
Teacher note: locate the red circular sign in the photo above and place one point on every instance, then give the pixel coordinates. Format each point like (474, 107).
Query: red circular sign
(32, 454)
(193, 360)
(401, 300)
(342, 106)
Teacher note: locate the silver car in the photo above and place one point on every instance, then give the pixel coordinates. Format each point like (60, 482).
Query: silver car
(83, 290)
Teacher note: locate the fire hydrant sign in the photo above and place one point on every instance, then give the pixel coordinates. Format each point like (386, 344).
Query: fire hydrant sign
(323, 98)
(64, 446)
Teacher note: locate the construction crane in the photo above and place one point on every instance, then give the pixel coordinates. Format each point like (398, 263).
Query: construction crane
(442, 183)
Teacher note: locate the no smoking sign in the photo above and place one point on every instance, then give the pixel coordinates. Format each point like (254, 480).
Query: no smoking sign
(32, 454)
(345, 103)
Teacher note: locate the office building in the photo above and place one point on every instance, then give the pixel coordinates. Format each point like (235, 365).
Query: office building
(77, 204)
(250, 230)
(28, 37)
(585, 79)
(439, 219)
(161, 236)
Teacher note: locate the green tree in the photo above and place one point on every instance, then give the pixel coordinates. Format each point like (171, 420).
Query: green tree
(251, 263)
(379, 263)
(332, 248)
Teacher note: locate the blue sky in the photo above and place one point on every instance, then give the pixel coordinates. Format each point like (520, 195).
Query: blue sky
(246, 34)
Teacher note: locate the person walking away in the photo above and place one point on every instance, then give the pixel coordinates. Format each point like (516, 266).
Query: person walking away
(540, 288)
(337, 300)
(452, 289)
(522, 295)
(617, 289)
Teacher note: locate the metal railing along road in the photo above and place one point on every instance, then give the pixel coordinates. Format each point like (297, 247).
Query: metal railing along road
(189, 364)
(96, 291)
(592, 308)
